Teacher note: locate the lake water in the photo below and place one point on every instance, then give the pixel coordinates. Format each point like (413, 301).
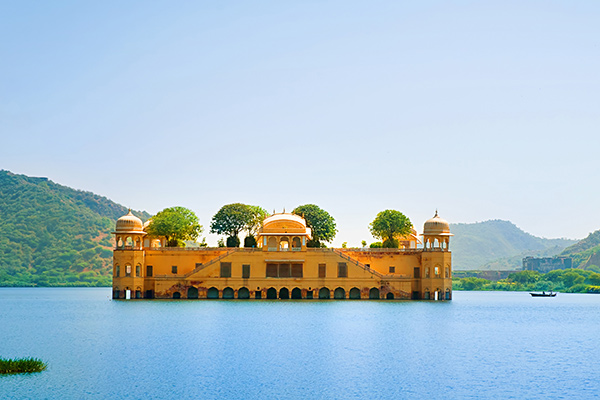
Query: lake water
(480, 345)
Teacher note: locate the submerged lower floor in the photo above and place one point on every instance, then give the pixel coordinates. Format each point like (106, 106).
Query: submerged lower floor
(284, 293)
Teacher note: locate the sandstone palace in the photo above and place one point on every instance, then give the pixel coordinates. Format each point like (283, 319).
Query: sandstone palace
(281, 267)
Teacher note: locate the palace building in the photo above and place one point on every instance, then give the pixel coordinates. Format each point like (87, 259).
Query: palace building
(281, 267)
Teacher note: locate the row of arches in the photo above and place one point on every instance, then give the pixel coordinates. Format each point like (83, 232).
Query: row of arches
(284, 293)
(128, 242)
(283, 243)
(437, 294)
(433, 243)
(127, 270)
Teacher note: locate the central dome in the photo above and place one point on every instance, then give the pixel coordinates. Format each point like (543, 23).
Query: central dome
(129, 223)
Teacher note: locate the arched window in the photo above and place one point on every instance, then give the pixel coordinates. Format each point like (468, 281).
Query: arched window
(296, 245)
(138, 270)
(137, 243)
(426, 272)
(284, 244)
(447, 273)
(128, 270)
(117, 270)
(436, 271)
(119, 242)
(272, 243)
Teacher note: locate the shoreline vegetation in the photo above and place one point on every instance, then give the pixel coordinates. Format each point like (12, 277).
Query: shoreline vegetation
(21, 365)
(560, 280)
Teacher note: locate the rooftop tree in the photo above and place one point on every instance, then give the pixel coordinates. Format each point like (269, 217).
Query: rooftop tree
(176, 224)
(389, 225)
(230, 220)
(258, 215)
(320, 222)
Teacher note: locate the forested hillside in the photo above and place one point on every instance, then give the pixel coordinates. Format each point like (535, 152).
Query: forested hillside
(585, 252)
(498, 244)
(52, 235)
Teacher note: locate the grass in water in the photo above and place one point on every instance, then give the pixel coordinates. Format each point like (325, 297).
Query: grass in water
(21, 365)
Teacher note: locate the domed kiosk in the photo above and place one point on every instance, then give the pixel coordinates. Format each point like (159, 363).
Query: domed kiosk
(129, 231)
(283, 232)
(436, 233)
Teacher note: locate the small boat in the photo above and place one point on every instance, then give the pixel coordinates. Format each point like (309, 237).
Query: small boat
(543, 294)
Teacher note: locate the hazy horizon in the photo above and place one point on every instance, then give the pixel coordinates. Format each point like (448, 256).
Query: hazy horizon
(480, 110)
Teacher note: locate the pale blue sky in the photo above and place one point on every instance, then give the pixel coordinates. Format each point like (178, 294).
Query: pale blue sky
(484, 110)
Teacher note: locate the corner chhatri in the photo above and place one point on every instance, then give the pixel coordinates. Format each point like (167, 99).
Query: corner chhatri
(281, 266)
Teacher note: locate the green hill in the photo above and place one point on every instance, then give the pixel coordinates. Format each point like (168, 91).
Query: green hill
(586, 252)
(498, 245)
(52, 235)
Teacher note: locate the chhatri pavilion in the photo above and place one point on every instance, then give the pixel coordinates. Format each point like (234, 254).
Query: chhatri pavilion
(281, 266)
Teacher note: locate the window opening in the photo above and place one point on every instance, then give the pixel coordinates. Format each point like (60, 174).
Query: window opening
(322, 270)
(225, 270)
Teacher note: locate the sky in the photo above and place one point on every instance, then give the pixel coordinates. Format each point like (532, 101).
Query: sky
(482, 110)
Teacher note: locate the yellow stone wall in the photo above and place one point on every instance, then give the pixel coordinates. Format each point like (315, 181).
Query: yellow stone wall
(201, 269)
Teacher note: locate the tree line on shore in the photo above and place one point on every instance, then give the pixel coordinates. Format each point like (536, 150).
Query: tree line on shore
(560, 280)
(179, 224)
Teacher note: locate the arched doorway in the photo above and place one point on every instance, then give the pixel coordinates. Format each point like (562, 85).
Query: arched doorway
(324, 293)
(374, 293)
(243, 293)
(339, 293)
(389, 296)
(212, 293)
(228, 293)
(284, 293)
(296, 293)
(176, 295)
(192, 293)
(355, 293)
(448, 295)
(272, 293)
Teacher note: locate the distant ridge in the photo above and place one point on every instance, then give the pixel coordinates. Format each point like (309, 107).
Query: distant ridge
(52, 235)
(498, 245)
(586, 252)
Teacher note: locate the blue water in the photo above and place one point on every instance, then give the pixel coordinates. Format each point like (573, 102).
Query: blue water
(480, 345)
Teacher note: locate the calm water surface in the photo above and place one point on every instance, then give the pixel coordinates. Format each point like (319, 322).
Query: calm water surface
(480, 345)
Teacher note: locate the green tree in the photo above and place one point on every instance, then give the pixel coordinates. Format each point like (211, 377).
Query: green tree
(593, 279)
(472, 283)
(571, 278)
(319, 221)
(257, 217)
(389, 225)
(525, 277)
(176, 224)
(230, 220)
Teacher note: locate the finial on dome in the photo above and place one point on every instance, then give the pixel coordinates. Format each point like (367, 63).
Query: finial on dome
(284, 210)
(129, 212)
(436, 214)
